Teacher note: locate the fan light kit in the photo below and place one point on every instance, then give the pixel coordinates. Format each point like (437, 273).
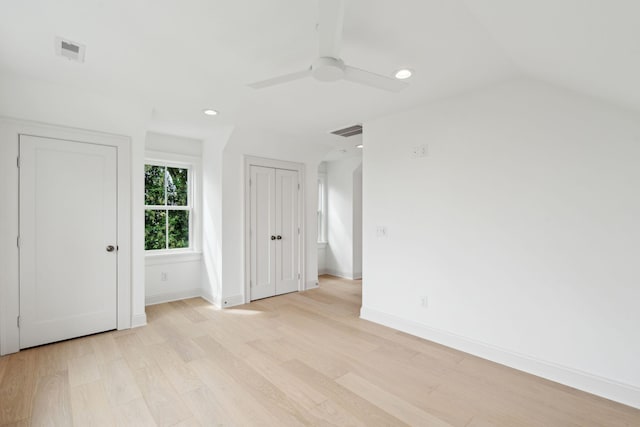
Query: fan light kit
(210, 112)
(328, 67)
(403, 74)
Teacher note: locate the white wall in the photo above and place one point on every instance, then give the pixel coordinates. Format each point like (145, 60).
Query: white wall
(177, 276)
(357, 223)
(262, 143)
(342, 179)
(521, 226)
(213, 147)
(322, 247)
(28, 99)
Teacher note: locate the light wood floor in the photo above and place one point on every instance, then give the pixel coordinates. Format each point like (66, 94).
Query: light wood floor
(299, 359)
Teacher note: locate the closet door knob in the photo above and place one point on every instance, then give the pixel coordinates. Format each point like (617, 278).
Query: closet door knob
(279, 237)
(273, 237)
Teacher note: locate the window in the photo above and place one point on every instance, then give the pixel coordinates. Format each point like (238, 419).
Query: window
(322, 208)
(168, 207)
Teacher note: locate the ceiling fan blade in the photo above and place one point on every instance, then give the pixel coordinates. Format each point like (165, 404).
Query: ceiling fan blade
(330, 21)
(281, 79)
(368, 78)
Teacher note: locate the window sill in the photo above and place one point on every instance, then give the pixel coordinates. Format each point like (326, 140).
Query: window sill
(171, 257)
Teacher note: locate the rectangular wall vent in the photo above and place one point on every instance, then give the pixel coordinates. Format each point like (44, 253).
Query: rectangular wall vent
(71, 50)
(350, 131)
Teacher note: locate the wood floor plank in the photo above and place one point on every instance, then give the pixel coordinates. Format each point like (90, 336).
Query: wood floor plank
(133, 414)
(393, 405)
(90, 405)
(226, 400)
(179, 374)
(119, 383)
(4, 361)
(18, 387)
(21, 423)
(163, 402)
(52, 401)
(105, 348)
(351, 402)
(134, 351)
(208, 409)
(83, 370)
(297, 359)
(274, 400)
(188, 311)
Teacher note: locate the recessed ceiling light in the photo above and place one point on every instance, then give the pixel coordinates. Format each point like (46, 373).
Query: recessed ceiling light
(403, 74)
(359, 146)
(210, 112)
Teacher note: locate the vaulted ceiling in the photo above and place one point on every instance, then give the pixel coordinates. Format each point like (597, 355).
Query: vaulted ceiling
(183, 56)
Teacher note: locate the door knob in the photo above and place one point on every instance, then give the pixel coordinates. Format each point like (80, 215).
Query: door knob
(111, 248)
(279, 237)
(273, 237)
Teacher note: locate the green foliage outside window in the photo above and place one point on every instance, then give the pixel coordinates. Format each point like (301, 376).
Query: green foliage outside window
(166, 191)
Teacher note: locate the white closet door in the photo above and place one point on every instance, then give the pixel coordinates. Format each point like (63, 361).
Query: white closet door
(287, 240)
(68, 224)
(263, 236)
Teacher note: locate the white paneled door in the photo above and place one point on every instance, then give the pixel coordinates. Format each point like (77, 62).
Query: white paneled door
(275, 232)
(68, 248)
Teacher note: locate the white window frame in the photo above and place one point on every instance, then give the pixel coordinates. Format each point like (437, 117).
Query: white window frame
(322, 208)
(192, 164)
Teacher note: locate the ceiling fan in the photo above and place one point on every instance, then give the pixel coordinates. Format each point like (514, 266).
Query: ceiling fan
(329, 67)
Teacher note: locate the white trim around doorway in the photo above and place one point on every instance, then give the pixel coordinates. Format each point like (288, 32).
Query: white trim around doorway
(10, 131)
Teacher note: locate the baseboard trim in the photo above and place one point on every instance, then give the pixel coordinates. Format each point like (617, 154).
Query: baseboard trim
(311, 284)
(139, 320)
(342, 274)
(173, 296)
(232, 301)
(600, 386)
(210, 299)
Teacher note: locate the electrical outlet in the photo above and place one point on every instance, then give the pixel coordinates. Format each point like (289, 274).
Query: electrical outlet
(424, 302)
(163, 276)
(381, 232)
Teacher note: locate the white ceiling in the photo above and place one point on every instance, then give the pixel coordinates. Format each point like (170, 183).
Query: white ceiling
(183, 56)
(591, 46)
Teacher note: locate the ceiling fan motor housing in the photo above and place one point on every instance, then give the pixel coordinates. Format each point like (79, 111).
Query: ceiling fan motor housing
(327, 69)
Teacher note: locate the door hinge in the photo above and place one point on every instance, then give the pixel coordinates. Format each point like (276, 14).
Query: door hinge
(18, 321)
(18, 241)
(298, 230)
(18, 161)
(249, 182)
(298, 275)
(298, 186)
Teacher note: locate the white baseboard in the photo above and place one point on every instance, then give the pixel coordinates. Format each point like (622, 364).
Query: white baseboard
(342, 274)
(139, 320)
(604, 387)
(232, 301)
(311, 284)
(172, 296)
(210, 299)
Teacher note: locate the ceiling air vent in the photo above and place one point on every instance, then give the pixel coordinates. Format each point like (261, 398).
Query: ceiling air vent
(350, 131)
(71, 50)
